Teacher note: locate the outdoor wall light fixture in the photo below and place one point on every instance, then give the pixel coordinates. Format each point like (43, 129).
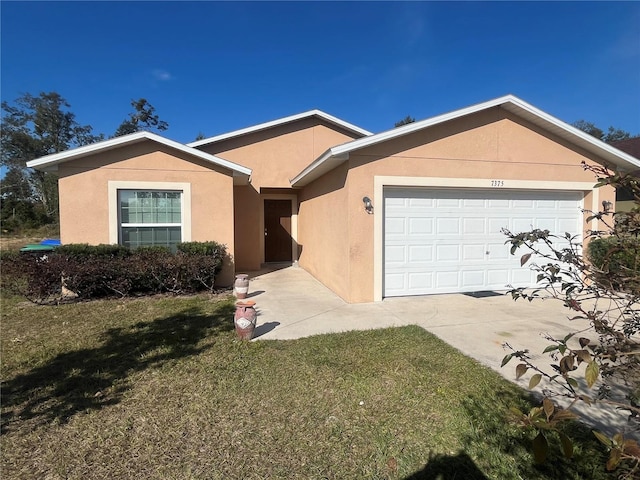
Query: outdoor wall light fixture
(368, 206)
(607, 206)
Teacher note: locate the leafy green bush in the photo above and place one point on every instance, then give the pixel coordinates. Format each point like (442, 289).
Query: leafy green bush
(201, 248)
(86, 250)
(111, 270)
(617, 259)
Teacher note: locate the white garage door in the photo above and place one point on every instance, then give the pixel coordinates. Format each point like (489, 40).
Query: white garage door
(450, 240)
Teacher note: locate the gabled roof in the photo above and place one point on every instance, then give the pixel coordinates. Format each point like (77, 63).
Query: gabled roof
(338, 154)
(51, 162)
(282, 121)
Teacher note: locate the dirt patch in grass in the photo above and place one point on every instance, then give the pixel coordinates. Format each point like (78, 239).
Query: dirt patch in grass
(15, 241)
(162, 388)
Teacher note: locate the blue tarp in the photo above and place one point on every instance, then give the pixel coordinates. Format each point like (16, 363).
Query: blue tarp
(54, 242)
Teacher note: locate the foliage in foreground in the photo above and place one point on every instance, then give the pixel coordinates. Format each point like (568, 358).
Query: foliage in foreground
(89, 272)
(161, 388)
(603, 289)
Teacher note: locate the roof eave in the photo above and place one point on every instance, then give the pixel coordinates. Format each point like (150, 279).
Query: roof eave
(281, 121)
(50, 163)
(323, 164)
(334, 156)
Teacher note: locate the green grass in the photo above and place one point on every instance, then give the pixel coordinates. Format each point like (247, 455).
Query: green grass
(161, 388)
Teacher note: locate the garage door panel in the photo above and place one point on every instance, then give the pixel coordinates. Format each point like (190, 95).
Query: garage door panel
(420, 225)
(396, 253)
(446, 280)
(450, 240)
(420, 253)
(522, 277)
(395, 281)
(519, 225)
(473, 279)
(447, 253)
(498, 251)
(550, 224)
(497, 224)
(473, 253)
(421, 202)
(420, 280)
(498, 203)
(447, 202)
(564, 226)
(471, 226)
(446, 226)
(498, 278)
(395, 225)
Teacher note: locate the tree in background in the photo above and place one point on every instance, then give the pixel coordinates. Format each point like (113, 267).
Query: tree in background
(611, 135)
(35, 126)
(405, 121)
(143, 117)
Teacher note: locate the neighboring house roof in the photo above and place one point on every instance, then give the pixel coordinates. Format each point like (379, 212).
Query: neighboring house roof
(51, 162)
(338, 154)
(629, 145)
(282, 121)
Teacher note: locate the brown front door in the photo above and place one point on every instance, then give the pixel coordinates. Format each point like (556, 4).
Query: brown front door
(277, 231)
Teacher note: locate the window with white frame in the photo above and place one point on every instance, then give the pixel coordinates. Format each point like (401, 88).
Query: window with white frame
(150, 217)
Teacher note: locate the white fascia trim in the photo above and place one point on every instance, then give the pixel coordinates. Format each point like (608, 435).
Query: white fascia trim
(57, 158)
(314, 170)
(281, 121)
(113, 187)
(599, 144)
(380, 182)
(319, 166)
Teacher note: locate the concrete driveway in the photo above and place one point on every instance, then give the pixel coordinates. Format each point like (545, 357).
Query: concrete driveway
(293, 304)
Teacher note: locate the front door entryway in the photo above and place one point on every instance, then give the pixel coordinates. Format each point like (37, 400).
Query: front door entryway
(277, 231)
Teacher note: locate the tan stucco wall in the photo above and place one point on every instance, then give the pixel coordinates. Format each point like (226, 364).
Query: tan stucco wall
(278, 154)
(248, 210)
(490, 145)
(84, 200)
(323, 231)
(275, 155)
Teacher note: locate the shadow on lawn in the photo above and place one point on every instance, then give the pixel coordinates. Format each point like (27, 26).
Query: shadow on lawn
(90, 379)
(449, 467)
(492, 432)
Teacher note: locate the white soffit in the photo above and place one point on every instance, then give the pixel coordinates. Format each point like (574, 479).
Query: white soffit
(336, 155)
(282, 121)
(51, 162)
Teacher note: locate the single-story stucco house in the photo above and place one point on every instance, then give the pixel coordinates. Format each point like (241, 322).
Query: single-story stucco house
(409, 211)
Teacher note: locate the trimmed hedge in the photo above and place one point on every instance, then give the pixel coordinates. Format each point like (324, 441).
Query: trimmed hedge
(618, 260)
(113, 270)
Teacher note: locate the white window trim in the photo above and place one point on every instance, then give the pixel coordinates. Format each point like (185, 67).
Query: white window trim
(380, 182)
(114, 221)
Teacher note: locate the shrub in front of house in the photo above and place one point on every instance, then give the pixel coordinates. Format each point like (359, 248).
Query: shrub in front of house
(101, 271)
(617, 259)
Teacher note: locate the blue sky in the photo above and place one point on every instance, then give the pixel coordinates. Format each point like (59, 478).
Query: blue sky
(213, 67)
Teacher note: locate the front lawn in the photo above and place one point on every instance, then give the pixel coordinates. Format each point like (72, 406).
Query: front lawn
(161, 388)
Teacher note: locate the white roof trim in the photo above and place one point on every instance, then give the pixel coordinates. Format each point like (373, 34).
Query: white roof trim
(282, 121)
(332, 157)
(50, 162)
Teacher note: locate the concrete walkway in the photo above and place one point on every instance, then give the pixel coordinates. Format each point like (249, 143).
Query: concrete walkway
(292, 304)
